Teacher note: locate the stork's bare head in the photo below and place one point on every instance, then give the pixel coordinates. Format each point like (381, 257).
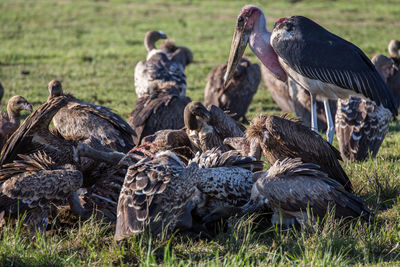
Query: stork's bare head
(244, 26)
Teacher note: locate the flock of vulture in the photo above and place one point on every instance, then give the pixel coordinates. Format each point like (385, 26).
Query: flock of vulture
(182, 165)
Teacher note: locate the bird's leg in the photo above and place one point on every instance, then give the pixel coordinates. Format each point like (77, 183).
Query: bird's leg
(314, 122)
(330, 132)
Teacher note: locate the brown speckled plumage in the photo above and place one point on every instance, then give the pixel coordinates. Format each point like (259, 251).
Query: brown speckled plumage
(34, 135)
(79, 120)
(158, 68)
(162, 191)
(208, 128)
(290, 187)
(33, 181)
(361, 127)
(282, 138)
(163, 109)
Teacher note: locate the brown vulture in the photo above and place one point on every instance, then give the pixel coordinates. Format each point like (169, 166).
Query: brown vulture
(157, 68)
(207, 128)
(282, 138)
(300, 191)
(162, 109)
(79, 121)
(10, 122)
(163, 193)
(236, 97)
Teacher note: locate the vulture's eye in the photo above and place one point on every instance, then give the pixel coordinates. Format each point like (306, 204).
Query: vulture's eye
(240, 21)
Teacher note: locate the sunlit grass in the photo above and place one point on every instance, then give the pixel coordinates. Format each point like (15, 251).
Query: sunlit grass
(93, 46)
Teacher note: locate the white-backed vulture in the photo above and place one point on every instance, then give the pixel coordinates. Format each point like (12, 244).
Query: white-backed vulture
(32, 182)
(361, 125)
(282, 138)
(162, 192)
(157, 68)
(208, 128)
(162, 109)
(79, 120)
(236, 97)
(300, 191)
(10, 122)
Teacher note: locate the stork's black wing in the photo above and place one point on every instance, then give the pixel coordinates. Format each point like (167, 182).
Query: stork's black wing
(315, 53)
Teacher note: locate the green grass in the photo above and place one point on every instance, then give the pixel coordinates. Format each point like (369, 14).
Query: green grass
(93, 46)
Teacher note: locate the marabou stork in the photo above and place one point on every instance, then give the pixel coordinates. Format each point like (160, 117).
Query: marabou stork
(328, 66)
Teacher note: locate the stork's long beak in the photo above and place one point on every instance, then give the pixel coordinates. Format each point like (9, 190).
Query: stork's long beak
(239, 43)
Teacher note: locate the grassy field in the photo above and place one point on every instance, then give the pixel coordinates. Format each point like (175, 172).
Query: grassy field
(93, 46)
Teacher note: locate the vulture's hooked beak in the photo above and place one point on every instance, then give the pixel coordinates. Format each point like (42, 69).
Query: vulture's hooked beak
(28, 107)
(239, 43)
(205, 114)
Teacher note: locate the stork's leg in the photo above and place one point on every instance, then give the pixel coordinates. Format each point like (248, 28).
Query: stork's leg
(330, 132)
(314, 122)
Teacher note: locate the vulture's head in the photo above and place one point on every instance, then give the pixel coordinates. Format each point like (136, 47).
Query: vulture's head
(151, 38)
(257, 129)
(384, 65)
(194, 114)
(55, 89)
(393, 48)
(18, 103)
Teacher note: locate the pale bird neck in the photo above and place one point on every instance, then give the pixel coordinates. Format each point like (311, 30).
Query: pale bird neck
(13, 115)
(393, 50)
(259, 43)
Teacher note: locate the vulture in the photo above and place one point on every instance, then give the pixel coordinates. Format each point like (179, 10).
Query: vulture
(101, 198)
(298, 191)
(309, 54)
(34, 135)
(282, 138)
(179, 54)
(389, 71)
(236, 97)
(293, 98)
(37, 167)
(208, 128)
(32, 182)
(361, 125)
(79, 120)
(9, 122)
(249, 148)
(393, 49)
(162, 192)
(162, 109)
(157, 68)
(176, 141)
